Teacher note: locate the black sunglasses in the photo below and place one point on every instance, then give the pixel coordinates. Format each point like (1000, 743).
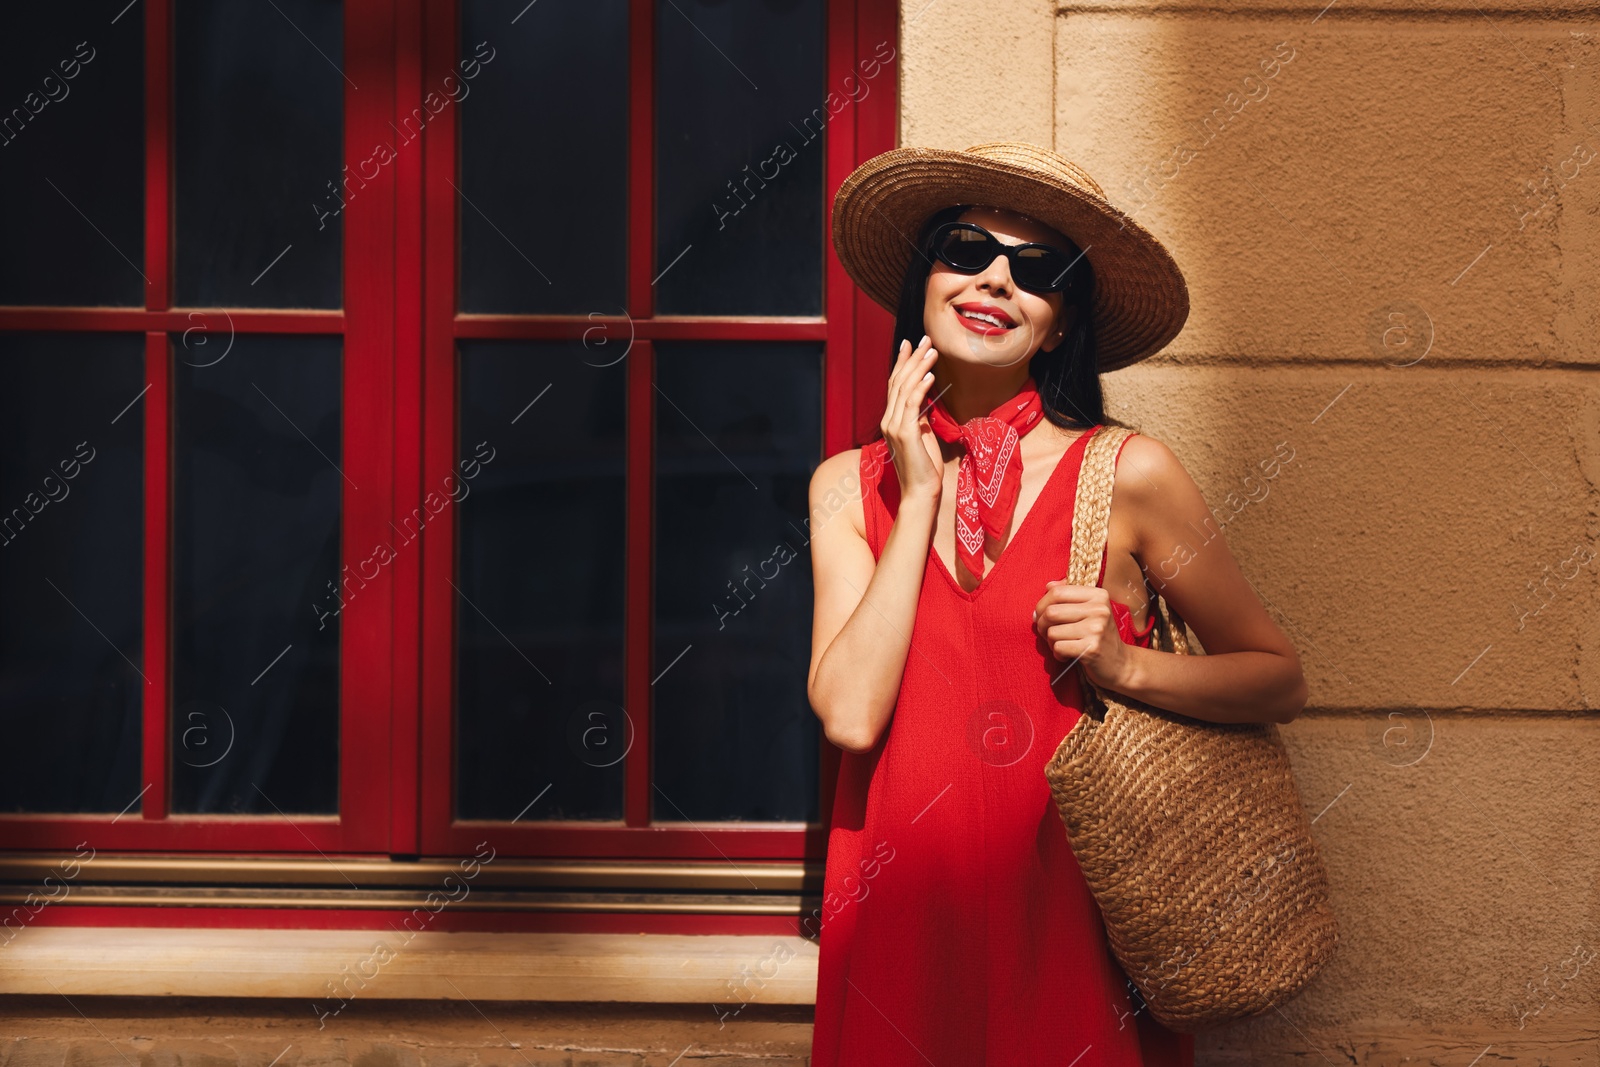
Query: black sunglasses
(1038, 268)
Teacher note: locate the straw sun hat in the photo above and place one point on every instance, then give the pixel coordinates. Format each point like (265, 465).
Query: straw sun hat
(1140, 300)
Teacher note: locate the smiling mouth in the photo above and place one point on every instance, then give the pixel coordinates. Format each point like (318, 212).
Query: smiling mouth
(983, 322)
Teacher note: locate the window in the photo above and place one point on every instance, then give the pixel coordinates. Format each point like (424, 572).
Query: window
(408, 421)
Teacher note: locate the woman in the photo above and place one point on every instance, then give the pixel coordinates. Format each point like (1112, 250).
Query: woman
(956, 927)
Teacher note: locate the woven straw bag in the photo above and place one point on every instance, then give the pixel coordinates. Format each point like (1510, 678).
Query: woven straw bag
(1190, 833)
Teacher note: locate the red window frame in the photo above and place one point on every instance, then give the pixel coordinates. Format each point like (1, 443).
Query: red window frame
(400, 326)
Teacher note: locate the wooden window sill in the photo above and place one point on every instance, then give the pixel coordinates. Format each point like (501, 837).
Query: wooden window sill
(321, 965)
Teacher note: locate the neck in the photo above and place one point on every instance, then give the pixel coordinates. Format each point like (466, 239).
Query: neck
(968, 391)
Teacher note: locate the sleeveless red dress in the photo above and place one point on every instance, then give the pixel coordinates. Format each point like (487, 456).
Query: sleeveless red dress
(956, 927)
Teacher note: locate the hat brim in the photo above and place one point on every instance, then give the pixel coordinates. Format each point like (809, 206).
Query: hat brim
(1140, 300)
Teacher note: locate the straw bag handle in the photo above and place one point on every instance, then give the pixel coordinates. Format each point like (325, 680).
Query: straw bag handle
(1091, 520)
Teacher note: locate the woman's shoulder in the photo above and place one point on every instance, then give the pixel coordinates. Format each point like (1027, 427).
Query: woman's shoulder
(1144, 464)
(836, 485)
(847, 469)
(837, 469)
(1153, 490)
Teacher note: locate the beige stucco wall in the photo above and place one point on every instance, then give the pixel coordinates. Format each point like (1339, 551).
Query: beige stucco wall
(1373, 282)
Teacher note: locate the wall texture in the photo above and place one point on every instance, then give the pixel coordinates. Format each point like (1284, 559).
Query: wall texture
(1389, 241)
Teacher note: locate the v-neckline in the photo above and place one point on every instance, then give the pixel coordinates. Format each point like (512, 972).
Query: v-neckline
(1016, 535)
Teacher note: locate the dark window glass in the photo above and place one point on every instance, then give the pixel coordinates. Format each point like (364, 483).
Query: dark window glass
(539, 593)
(71, 569)
(740, 121)
(72, 154)
(738, 433)
(544, 157)
(258, 173)
(257, 587)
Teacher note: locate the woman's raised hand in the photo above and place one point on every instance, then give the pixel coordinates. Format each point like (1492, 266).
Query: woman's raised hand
(913, 445)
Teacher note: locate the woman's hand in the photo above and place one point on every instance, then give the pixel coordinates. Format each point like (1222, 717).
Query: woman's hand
(913, 446)
(1077, 624)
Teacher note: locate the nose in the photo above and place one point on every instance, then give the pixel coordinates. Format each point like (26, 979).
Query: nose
(996, 277)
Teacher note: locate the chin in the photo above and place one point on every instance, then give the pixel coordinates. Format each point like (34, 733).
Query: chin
(994, 351)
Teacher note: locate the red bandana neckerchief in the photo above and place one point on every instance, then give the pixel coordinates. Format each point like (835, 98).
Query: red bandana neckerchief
(990, 473)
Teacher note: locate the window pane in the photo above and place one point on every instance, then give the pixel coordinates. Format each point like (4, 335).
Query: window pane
(739, 171)
(738, 433)
(539, 607)
(71, 569)
(72, 155)
(544, 157)
(257, 588)
(259, 184)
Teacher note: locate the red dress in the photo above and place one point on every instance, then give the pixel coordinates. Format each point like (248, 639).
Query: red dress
(956, 927)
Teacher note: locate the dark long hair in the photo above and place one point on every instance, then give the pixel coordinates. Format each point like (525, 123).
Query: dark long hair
(1068, 376)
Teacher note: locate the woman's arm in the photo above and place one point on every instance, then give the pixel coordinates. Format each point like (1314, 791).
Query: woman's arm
(864, 610)
(861, 627)
(1250, 673)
